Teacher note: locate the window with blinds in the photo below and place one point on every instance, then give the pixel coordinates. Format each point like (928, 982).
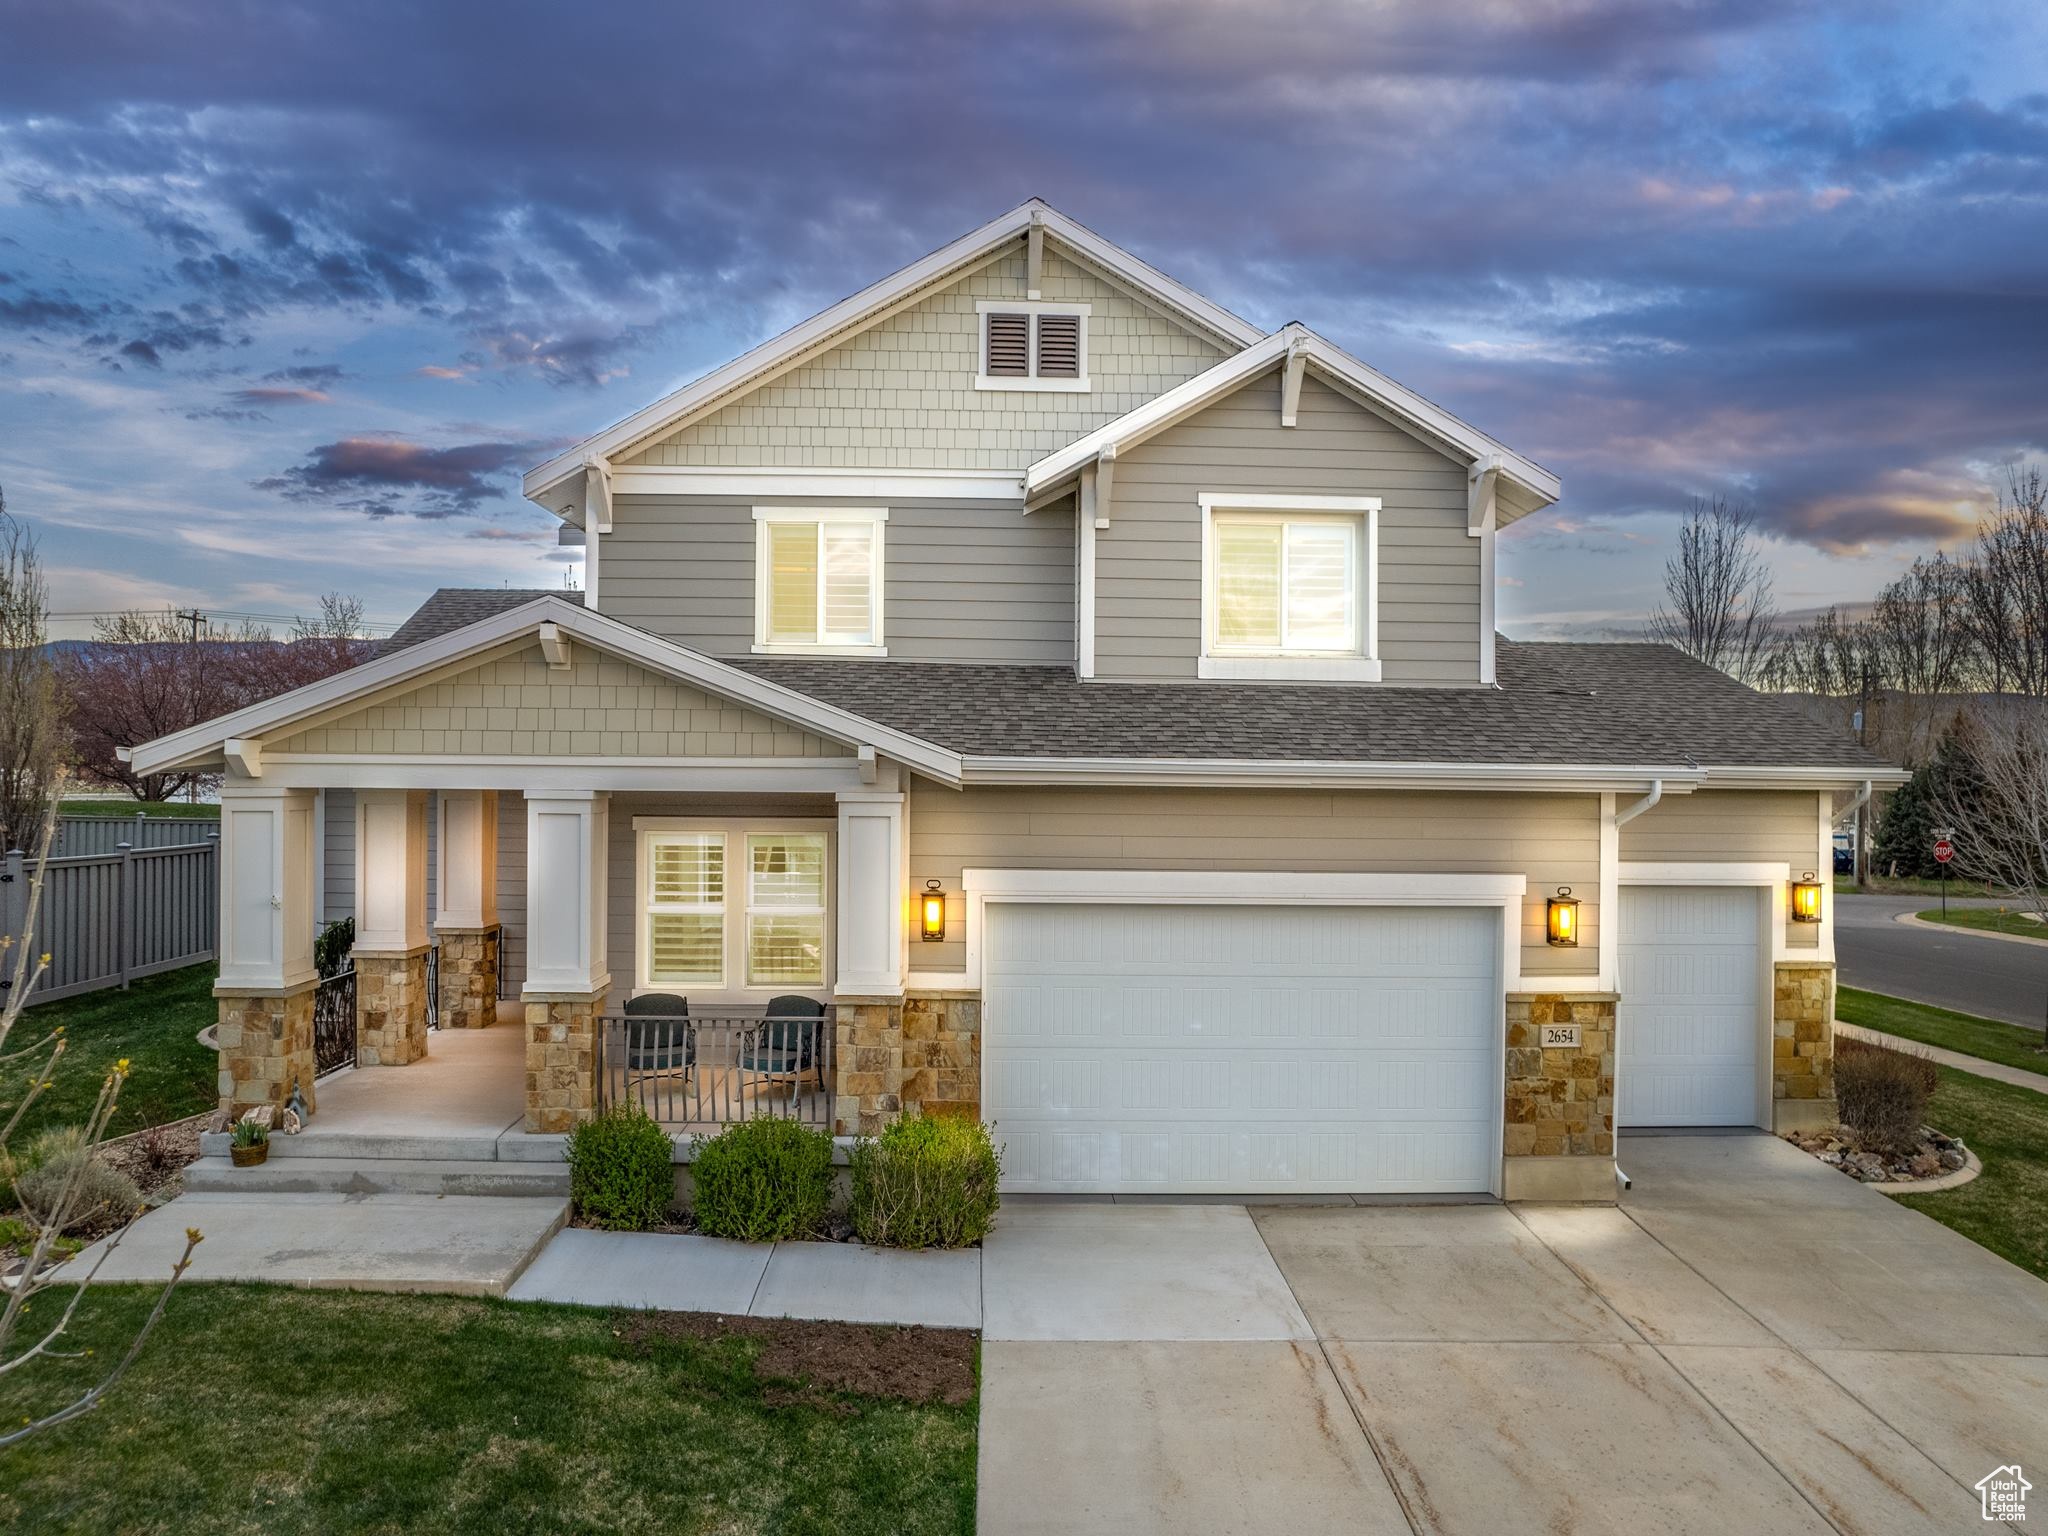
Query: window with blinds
(820, 581)
(697, 932)
(685, 909)
(1286, 584)
(785, 909)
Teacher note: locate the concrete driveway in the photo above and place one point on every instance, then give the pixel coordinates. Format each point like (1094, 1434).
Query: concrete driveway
(1753, 1343)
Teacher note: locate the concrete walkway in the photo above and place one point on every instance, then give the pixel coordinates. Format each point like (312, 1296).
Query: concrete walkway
(1976, 1066)
(1753, 1342)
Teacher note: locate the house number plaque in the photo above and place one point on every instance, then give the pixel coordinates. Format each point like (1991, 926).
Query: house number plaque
(1560, 1037)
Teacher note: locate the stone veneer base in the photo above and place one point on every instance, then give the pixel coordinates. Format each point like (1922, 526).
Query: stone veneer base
(469, 977)
(561, 1058)
(265, 1038)
(391, 1008)
(896, 1056)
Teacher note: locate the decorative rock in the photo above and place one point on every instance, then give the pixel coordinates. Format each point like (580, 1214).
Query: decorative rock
(264, 1115)
(1953, 1158)
(292, 1123)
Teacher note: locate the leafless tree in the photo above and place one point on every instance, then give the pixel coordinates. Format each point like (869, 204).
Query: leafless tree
(2001, 818)
(36, 1064)
(32, 737)
(2006, 582)
(1922, 644)
(1718, 605)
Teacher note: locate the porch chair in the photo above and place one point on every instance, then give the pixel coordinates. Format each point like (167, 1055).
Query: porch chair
(659, 1036)
(790, 1042)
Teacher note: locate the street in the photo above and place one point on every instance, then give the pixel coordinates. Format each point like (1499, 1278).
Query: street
(1967, 972)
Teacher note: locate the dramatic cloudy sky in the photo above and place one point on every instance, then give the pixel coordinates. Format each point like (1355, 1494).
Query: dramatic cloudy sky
(290, 292)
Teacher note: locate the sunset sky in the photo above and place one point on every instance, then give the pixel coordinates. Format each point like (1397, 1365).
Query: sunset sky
(289, 294)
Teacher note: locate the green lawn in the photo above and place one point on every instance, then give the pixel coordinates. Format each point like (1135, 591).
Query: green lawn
(2006, 1210)
(265, 1410)
(155, 1024)
(1987, 920)
(1904, 885)
(2006, 1043)
(147, 807)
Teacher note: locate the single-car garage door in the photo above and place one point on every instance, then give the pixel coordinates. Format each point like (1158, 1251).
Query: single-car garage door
(1241, 1049)
(1688, 1039)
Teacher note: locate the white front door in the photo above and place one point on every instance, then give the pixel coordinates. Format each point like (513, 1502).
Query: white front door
(1241, 1049)
(1689, 1041)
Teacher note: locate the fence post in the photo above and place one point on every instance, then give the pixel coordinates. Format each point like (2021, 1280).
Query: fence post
(13, 904)
(124, 910)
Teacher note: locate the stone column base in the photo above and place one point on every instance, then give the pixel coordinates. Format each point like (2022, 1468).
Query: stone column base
(266, 1043)
(868, 1064)
(942, 1053)
(1804, 1115)
(561, 1058)
(469, 977)
(1802, 1036)
(1558, 1139)
(391, 1008)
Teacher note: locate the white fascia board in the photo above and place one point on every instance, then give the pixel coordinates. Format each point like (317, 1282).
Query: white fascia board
(1396, 400)
(891, 485)
(851, 313)
(1757, 777)
(1249, 886)
(1222, 772)
(561, 775)
(609, 635)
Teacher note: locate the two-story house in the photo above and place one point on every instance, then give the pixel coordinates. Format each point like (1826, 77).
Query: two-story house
(1096, 701)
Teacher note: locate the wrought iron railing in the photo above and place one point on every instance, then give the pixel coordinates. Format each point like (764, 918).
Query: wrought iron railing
(713, 1071)
(433, 986)
(334, 1023)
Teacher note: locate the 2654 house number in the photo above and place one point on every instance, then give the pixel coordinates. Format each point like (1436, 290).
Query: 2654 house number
(1558, 1037)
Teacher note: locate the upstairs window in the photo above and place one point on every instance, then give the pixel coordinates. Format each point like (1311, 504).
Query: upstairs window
(1033, 346)
(818, 582)
(1287, 588)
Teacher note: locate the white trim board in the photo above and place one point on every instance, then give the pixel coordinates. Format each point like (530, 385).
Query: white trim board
(890, 485)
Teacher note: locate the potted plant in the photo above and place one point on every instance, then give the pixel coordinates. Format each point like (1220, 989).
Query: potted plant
(249, 1143)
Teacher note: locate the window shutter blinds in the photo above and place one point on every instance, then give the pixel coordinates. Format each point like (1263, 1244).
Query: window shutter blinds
(1319, 567)
(1059, 346)
(1009, 346)
(793, 581)
(849, 581)
(1248, 583)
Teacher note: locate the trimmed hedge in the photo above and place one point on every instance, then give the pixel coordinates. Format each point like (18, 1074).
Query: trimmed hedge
(762, 1180)
(926, 1182)
(622, 1173)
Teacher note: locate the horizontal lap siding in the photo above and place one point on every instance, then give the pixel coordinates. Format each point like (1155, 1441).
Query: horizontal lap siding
(1148, 564)
(963, 580)
(1553, 839)
(1736, 827)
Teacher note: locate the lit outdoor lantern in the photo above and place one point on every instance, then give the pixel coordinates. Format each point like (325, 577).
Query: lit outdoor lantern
(1806, 899)
(1561, 914)
(932, 913)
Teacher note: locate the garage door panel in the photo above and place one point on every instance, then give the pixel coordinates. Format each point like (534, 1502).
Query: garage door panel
(1232, 1049)
(1687, 1024)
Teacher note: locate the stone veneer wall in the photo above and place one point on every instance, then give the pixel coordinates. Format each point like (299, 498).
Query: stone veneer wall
(391, 1008)
(1559, 1136)
(266, 1043)
(1802, 1045)
(561, 1059)
(469, 977)
(893, 1057)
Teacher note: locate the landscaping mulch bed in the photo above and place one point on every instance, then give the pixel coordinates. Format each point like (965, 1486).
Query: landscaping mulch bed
(909, 1365)
(156, 1158)
(1934, 1155)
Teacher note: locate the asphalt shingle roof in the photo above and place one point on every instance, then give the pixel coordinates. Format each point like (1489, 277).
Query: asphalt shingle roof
(452, 607)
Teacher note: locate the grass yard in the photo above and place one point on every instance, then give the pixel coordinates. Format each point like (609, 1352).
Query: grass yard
(1987, 920)
(155, 1024)
(1988, 1038)
(264, 1409)
(1906, 885)
(2006, 1210)
(174, 808)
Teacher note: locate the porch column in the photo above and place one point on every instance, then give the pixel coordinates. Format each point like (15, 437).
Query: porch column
(872, 925)
(266, 977)
(391, 926)
(566, 975)
(466, 907)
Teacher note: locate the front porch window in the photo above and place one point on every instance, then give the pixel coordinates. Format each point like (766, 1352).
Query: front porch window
(685, 913)
(786, 910)
(731, 909)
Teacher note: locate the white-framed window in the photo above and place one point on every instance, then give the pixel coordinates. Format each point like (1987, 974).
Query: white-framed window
(1030, 344)
(729, 910)
(818, 579)
(1289, 587)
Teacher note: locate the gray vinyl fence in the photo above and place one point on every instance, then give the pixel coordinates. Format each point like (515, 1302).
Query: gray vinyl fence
(108, 918)
(78, 835)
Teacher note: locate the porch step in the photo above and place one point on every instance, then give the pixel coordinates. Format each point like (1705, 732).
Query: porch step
(376, 1176)
(426, 1147)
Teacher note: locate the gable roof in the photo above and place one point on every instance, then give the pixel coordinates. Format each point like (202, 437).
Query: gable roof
(871, 304)
(1538, 486)
(450, 608)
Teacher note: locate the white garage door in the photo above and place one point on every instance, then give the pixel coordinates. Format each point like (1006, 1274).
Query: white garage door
(1233, 1049)
(1687, 1019)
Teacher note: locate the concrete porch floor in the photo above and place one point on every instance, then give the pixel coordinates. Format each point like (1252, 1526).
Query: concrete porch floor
(471, 1083)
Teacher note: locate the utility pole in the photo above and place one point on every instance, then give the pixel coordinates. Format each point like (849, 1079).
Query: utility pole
(195, 618)
(1863, 811)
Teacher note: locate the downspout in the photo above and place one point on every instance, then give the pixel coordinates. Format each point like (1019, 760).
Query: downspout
(1862, 799)
(1622, 818)
(1648, 802)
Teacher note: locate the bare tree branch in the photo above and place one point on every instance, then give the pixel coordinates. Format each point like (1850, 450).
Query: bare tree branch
(1718, 604)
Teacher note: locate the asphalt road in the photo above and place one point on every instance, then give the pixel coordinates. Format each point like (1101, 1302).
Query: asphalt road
(1951, 969)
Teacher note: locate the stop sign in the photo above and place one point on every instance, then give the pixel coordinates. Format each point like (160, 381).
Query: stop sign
(1944, 850)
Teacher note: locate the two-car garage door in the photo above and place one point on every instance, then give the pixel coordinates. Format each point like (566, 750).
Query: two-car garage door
(1241, 1048)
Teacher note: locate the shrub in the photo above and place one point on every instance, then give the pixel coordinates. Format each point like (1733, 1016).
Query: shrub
(1883, 1094)
(762, 1180)
(926, 1182)
(249, 1133)
(622, 1173)
(334, 947)
(159, 1152)
(41, 1173)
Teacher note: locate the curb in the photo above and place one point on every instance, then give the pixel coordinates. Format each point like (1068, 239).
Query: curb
(1960, 1177)
(1914, 920)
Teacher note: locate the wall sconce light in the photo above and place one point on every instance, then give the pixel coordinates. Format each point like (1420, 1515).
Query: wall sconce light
(1806, 899)
(1561, 918)
(932, 912)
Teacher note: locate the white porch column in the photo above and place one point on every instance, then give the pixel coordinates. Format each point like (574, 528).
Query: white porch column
(567, 859)
(466, 906)
(266, 979)
(391, 926)
(873, 915)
